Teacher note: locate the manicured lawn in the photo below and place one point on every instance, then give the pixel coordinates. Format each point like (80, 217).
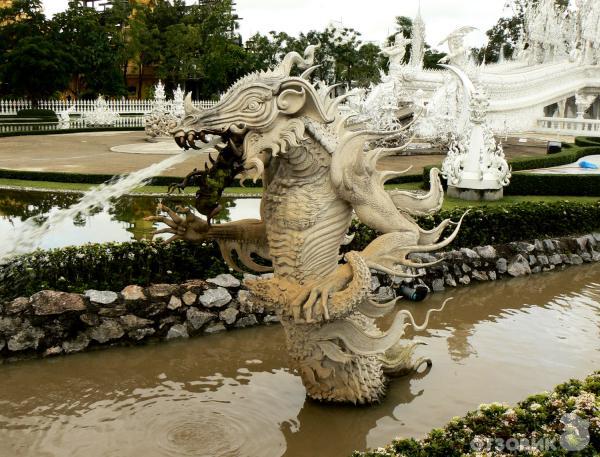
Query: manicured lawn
(448, 202)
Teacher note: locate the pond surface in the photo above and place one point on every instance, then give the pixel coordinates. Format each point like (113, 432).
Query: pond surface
(232, 395)
(123, 221)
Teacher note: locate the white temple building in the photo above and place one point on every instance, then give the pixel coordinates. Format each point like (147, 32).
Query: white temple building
(550, 85)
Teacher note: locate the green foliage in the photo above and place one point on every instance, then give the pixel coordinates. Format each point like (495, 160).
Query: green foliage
(45, 114)
(114, 265)
(548, 184)
(95, 49)
(536, 417)
(37, 68)
(506, 223)
(568, 185)
(110, 266)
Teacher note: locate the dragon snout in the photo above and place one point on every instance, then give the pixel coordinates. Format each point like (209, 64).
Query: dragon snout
(187, 139)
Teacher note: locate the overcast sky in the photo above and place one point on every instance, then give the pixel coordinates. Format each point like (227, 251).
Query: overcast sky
(374, 19)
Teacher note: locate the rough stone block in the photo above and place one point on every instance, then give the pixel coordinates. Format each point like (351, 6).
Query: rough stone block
(196, 318)
(141, 333)
(215, 328)
(18, 305)
(189, 298)
(437, 285)
(480, 275)
(77, 344)
(228, 315)
(247, 321)
(225, 280)
(27, 338)
(132, 322)
(109, 329)
(50, 302)
(177, 331)
(215, 298)
(486, 252)
(501, 265)
(101, 297)
(518, 266)
(161, 291)
(175, 302)
(133, 293)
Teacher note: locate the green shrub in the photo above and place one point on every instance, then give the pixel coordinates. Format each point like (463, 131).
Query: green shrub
(115, 265)
(46, 114)
(109, 266)
(531, 184)
(537, 417)
(505, 223)
(571, 185)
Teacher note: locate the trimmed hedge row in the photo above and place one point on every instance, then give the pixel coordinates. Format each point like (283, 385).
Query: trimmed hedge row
(560, 423)
(114, 265)
(534, 184)
(109, 266)
(37, 113)
(506, 223)
(566, 185)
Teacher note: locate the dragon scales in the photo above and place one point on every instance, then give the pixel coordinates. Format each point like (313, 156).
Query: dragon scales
(316, 172)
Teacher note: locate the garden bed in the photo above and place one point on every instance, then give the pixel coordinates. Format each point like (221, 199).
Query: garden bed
(560, 423)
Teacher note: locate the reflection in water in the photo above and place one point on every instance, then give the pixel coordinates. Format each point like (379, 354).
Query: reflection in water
(230, 394)
(123, 221)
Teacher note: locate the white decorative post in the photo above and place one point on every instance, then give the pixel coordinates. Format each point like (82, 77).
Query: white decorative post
(178, 108)
(159, 122)
(475, 166)
(417, 52)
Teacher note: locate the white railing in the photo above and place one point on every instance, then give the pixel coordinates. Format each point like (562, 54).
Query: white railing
(75, 123)
(10, 107)
(569, 126)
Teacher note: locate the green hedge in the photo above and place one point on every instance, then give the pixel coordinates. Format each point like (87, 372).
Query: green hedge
(37, 113)
(108, 266)
(566, 185)
(115, 265)
(506, 223)
(533, 184)
(538, 417)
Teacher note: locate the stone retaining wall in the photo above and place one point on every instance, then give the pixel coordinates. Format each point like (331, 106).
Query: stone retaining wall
(51, 323)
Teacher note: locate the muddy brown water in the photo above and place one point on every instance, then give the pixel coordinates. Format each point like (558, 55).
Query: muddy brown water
(232, 395)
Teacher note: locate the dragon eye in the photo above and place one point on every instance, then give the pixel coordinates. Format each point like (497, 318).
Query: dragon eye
(252, 106)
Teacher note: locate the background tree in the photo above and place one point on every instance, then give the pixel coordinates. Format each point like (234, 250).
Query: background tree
(94, 48)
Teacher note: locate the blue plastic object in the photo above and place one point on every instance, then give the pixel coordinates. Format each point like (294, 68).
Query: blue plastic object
(590, 165)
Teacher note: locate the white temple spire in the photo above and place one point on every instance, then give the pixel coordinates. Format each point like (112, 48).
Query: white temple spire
(418, 40)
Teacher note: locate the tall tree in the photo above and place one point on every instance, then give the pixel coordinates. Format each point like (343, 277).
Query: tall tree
(95, 49)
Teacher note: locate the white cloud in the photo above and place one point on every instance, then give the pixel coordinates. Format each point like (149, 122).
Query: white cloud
(374, 19)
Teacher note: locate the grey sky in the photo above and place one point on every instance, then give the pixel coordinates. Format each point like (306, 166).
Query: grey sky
(374, 19)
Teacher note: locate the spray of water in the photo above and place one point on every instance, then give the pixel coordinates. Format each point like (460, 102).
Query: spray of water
(31, 233)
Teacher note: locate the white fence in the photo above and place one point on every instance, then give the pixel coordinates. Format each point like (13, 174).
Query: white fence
(123, 121)
(569, 126)
(10, 107)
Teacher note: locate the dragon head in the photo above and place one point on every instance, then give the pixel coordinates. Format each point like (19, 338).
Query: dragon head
(256, 104)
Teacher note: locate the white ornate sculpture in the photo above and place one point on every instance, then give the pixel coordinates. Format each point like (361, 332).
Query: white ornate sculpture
(316, 171)
(160, 120)
(178, 108)
(475, 166)
(64, 117)
(417, 51)
(459, 52)
(102, 115)
(396, 53)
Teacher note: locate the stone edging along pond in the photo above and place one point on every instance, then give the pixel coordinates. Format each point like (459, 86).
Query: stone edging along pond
(50, 323)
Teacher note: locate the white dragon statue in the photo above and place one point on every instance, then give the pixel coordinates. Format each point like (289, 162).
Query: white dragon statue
(316, 172)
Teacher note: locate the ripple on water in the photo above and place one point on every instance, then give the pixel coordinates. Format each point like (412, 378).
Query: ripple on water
(242, 417)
